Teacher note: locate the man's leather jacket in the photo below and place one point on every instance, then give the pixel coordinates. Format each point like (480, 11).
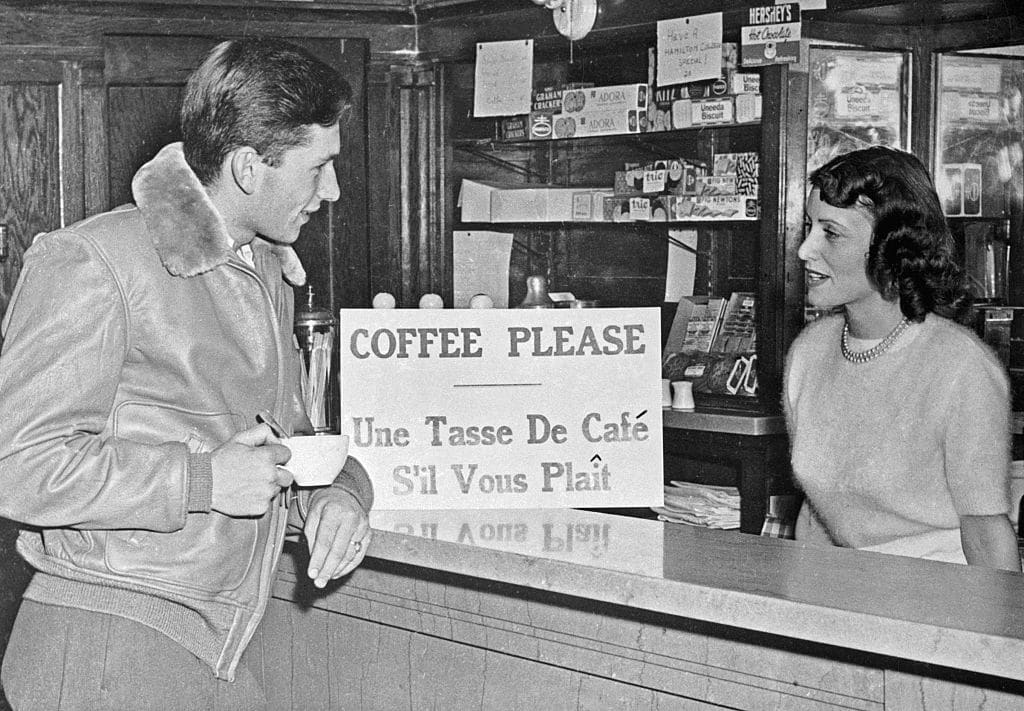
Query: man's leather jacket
(136, 342)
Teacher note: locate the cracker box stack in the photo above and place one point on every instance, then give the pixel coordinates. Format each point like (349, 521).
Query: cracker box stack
(734, 97)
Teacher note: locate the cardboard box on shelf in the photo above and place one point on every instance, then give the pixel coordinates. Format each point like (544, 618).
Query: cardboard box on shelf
(532, 204)
(711, 207)
(748, 108)
(695, 324)
(703, 112)
(745, 166)
(484, 201)
(475, 199)
(514, 128)
(675, 176)
(716, 185)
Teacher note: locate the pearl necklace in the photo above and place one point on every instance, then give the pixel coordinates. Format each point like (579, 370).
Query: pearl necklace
(874, 351)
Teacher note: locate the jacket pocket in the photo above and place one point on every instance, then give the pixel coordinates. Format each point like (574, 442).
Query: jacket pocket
(213, 553)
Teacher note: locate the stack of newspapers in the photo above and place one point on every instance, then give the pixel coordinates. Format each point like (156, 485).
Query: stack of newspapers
(700, 505)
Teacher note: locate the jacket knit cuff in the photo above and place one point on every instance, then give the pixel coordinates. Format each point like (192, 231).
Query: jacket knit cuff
(200, 482)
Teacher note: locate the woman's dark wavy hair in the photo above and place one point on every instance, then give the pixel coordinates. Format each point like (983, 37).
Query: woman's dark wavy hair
(259, 93)
(911, 252)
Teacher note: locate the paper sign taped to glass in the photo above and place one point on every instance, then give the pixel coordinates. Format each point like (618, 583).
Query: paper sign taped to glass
(484, 409)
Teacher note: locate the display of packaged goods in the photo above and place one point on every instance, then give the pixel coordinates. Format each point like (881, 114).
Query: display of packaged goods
(588, 205)
(593, 111)
(680, 208)
(485, 201)
(703, 112)
(737, 333)
(605, 110)
(676, 176)
(748, 108)
(745, 166)
(716, 185)
(696, 323)
(537, 203)
(514, 128)
(745, 83)
(959, 186)
(549, 97)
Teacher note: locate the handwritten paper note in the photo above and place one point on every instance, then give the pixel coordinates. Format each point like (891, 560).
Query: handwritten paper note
(481, 262)
(690, 49)
(503, 79)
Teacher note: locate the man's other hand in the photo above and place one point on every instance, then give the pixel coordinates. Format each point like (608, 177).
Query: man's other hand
(337, 534)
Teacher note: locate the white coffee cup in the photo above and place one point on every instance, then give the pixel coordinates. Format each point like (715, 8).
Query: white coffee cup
(666, 393)
(682, 395)
(316, 459)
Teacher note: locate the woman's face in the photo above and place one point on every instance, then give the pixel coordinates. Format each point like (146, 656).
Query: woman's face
(834, 253)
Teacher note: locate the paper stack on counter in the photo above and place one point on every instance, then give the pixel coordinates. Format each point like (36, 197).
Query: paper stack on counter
(700, 505)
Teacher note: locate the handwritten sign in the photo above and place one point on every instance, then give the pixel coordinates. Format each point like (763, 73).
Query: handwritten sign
(546, 408)
(503, 78)
(690, 49)
(772, 35)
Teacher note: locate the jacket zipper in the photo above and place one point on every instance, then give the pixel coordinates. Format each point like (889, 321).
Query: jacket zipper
(278, 513)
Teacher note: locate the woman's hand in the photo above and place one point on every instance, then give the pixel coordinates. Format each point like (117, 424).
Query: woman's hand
(989, 541)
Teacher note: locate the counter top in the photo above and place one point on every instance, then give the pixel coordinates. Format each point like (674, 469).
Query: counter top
(721, 420)
(955, 616)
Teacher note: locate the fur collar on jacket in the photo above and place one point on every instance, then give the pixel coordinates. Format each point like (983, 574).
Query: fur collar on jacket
(189, 234)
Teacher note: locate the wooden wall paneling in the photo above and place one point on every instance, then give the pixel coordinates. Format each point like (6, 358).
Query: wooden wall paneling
(349, 245)
(383, 185)
(412, 259)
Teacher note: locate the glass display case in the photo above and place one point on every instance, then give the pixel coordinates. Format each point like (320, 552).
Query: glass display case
(856, 98)
(978, 163)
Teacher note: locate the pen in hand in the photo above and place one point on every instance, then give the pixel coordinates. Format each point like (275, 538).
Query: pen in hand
(265, 417)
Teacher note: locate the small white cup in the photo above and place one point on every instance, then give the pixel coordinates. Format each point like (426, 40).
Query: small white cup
(682, 395)
(316, 459)
(666, 393)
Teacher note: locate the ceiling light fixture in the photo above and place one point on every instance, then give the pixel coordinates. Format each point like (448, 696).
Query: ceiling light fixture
(573, 18)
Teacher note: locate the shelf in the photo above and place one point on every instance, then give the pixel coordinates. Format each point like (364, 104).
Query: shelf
(653, 223)
(600, 140)
(726, 421)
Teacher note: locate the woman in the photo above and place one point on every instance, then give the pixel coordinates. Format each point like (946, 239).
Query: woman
(898, 417)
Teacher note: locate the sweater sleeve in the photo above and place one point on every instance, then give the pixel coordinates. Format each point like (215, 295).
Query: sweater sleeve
(977, 437)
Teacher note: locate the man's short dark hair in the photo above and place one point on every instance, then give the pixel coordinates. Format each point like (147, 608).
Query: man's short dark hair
(260, 93)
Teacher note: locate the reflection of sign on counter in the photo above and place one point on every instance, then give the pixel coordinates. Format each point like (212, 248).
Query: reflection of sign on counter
(576, 536)
(504, 408)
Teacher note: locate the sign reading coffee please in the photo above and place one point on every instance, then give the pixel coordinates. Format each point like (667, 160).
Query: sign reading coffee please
(543, 408)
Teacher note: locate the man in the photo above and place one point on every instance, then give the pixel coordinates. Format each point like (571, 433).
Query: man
(139, 347)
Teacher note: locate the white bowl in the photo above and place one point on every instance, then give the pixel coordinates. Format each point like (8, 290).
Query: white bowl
(316, 459)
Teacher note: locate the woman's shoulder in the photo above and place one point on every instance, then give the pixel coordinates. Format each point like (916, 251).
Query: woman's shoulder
(946, 341)
(821, 332)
